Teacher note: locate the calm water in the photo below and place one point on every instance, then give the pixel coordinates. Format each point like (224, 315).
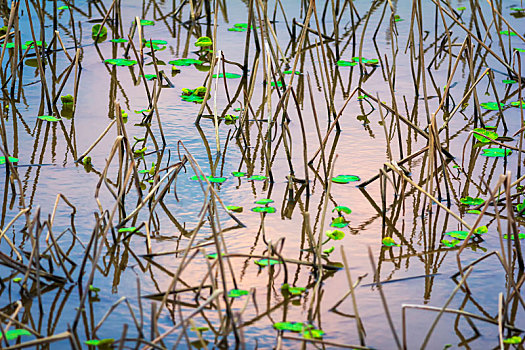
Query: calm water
(360, 148)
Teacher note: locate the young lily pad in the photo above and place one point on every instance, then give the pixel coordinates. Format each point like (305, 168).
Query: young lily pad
(520, 236)
(344, 179)
(342, 63)
(279, 83)
(509, 81)
(342, 209)
(462, 8)
(12, 46)
(30, 43)
(150, 76)
(329, 250)
(185, 62)
(491, 106)
(235, 293)
(17, 279)
(496, 152)
(67, 99)
(336, 235)
(519, 50)
(257, 178)
(101, 343)
(146, 22)
(291, 72)
(266, 262)
(15, 333)
(312, 333)
(120, 62)
(474, 211)
(238, 174)
(119, 40)
(218, 180)
(142, 111)
(397, 18)
(264, 210)
(488, 133)
(93, 289)
(264, 201)
(451, 243)
(472, 201)
(296, 290)
(481, 230)
(389, 242)
(11, 159)
(100, 32)
(48, 118)
(368, 62)
(63, 7)
(514, 340)
(228, 75)
(155, 47)
(518, 104)
(213, 255)
(127, 229)
(458, 234)
(291, 326)
(203, 41)
(234, 208)
(339, 222)
(509, 33)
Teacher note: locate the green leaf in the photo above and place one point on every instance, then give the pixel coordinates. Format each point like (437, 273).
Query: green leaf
(458, 234)
(237, 29)
(63, 7)
(213, 255)
(146, 22)
(101, 32)
(481, 230)
(496, 152)
(462, 8)
(101, 343)
(257, 178)
(472, 201)
(279, 83)
(506, 32)
(17, 279)
(389, 242)
(228, 75)
(485, 132)
(344, 179)
(11, 159)
(343, 209)
(291, 326)
(67, 98)
(48, 118)
(290, 72)
(339, 222)
(185, 62)
(519, 50)
(238, 174)
(38, 43)
(474, 211)
(203, 41)
(296, 290)
(368, 62)
(329, 250)
(127, 229)
(266, 262)
(451, 243)
(336, 235)
(514, 340)
(312, 333)
(119, 40)
(264, 201)
(342, 63)
(509, 81)
(93, 289)
(264, 210)
(491, 106)
(142, 111)
(121, 62)
(234, 208)
(397, 18)
(217, 180)
(517, 104)
(235, 293)
(520, 236)
(15, 333)
(149, 76)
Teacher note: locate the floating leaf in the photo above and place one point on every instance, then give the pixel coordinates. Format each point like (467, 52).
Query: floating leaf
(264, 210)
(30, 43)
(203, 41)
(336, 235)
(496, 152)
(93, 289)
(487, 133)
(142, 111)
(218, 180)
(520, 236)
(312, 333)
(509, 81)
(389, 242)
(481, 230)
(291, 72)
(17, 279)
(506, 32)
(63, 7)
(472, 201)
(517, 104)
(344, 179)
(101, 343)
(266, 262)
(291, 326)
(257, 178)
(121, 62)
(339, 222)
(451, 243)
(15, 333)
(342, 63)
(296, 290)
(146, 22)
(519, 50)
(48, 118)
(11, 159)
(397, 18)
(228, 75)
(491, 106)
(234, 208)
(149, 76)
(127, 229)
(235, 293)
(279, 84)
(235, 29)
(98, 31)
(329, 250)
(67, 98)
(264, 201)
(462, 8)
(343, 209)
(514, 340)
(119, 40)
(368, 62)
(238, 174)
(458, 234)
(185, 62)
(213, 255)
(474, 211)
